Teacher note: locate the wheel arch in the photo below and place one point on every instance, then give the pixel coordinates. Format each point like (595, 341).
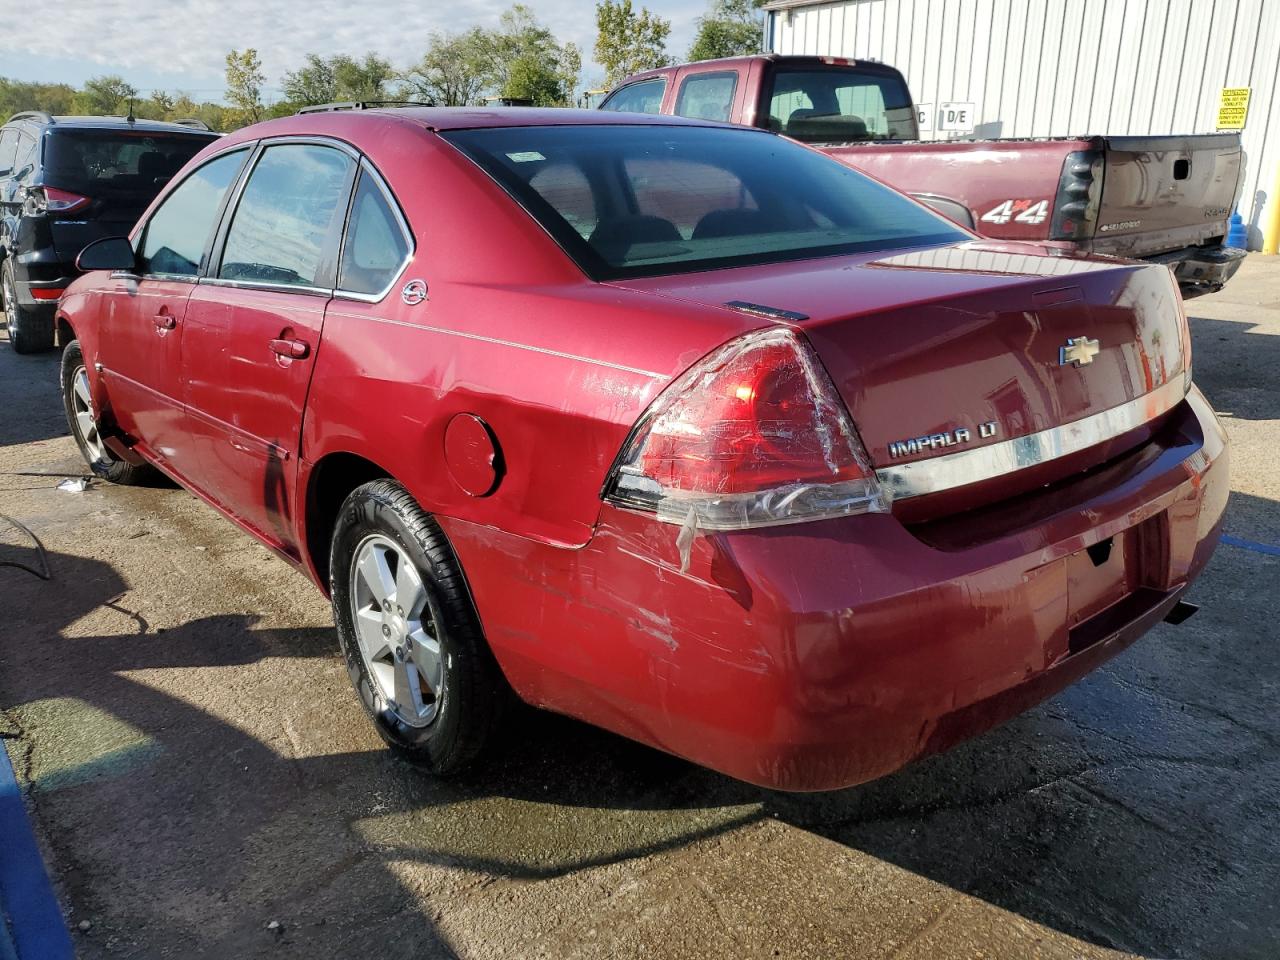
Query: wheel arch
(328, 484)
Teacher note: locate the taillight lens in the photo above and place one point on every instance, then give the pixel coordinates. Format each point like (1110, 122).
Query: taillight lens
(1075, 209)
(753, 435)
(41, 200)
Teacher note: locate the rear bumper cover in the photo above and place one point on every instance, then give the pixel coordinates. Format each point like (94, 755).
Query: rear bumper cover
(1201, 270)
(821, 655)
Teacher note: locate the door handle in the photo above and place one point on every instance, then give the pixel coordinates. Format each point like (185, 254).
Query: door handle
(164, 321)
(293, 349)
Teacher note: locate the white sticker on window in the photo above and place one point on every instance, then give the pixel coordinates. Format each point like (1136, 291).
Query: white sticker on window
(525, 156)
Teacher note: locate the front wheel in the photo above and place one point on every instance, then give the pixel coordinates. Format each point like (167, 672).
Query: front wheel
(77, 398)
(410, 634)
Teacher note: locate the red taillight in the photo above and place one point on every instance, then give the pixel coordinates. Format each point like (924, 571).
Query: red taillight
(46, 293)
(754, 434)
(52, 200)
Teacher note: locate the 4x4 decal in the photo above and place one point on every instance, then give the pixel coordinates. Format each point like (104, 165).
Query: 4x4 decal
(1020, 211)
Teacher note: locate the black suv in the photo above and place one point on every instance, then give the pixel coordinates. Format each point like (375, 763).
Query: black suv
(65, 182)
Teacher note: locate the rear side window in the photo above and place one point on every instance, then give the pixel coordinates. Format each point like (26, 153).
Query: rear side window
(642, 97)
(178, 232)
(839, 105)
(116, 162)
(286, 226)
(25, 162)
(707, 96)
(375, 247)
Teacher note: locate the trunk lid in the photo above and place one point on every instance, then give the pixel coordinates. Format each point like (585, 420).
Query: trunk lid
(1163, 193)
(929, 342)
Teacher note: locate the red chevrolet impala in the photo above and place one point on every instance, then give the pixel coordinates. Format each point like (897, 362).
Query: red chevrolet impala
(685, 430)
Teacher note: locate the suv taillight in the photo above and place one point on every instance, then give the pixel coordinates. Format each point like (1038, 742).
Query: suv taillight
(753, 435)
(1075, 209)
(40, 200)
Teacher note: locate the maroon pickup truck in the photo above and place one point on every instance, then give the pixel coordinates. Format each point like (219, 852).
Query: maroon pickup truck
(1164, 199)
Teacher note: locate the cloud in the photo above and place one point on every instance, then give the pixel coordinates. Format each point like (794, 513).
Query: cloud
(190, 38)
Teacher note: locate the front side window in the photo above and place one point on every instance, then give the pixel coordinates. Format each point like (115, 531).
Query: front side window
(671, 199)
(642, 97)
(375, 246)
(840, 105)
(707, 96)
(178, 232)
(286, 226)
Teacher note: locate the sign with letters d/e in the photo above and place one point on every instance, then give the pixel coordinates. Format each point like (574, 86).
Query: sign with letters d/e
(1233, 108)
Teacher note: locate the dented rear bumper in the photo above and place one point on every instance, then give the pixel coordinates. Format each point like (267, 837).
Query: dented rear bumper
(821, 655)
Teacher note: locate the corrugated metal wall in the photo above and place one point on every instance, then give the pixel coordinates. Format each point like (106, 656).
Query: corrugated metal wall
(1041, 68)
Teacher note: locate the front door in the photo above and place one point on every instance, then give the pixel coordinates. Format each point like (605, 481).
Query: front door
(253, 328)
(141, 342)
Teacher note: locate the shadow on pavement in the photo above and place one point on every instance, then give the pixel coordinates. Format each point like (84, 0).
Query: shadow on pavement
(1129, 812)
(1236, 366)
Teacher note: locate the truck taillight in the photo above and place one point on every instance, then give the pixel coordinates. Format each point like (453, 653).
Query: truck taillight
(1075, 210)
(40, 200)
(753, 435)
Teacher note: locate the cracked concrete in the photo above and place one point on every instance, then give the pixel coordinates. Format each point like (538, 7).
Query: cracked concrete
(197, 766)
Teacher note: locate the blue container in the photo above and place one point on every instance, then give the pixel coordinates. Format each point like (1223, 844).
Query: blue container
(1237, 233)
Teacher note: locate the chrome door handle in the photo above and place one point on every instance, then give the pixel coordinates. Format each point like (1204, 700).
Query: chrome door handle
(293, 349)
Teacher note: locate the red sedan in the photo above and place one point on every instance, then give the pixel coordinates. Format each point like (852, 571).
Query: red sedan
(685, 430)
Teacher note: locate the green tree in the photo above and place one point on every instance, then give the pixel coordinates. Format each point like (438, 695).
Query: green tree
(731, 28)
(330, 79)
(158, 106)
(628, 41)
(104, 96)
(18, 95)
(527, 62)
(244, 85)
(454, 71)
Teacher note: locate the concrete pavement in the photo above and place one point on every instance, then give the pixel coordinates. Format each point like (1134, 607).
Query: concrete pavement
(198, 769)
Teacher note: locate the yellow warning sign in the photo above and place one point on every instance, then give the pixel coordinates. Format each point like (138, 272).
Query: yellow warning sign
(1233, 107)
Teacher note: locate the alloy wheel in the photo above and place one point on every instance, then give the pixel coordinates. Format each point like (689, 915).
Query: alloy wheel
(397, 630)
(86, 422)
(10, 307)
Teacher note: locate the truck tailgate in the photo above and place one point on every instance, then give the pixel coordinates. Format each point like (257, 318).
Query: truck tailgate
(1162, 193)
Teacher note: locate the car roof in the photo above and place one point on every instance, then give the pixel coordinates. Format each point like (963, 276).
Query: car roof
(781, 59)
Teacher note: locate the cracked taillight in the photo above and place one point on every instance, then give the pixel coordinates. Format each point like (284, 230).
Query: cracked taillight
(753, 435)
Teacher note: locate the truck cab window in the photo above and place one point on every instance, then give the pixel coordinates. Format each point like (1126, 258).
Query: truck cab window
(642, 97)
(839, 105)
(708, 96)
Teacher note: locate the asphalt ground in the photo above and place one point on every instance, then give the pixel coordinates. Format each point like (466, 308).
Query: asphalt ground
(204, 784)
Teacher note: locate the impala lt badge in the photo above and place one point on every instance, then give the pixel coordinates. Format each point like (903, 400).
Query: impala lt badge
(1078, 352)
(939, 441)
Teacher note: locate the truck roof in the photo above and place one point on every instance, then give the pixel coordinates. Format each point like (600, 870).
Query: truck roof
(779, 58)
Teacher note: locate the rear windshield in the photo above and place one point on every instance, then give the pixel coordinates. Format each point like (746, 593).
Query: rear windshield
(841, 105)
(631, 201)
(84, 161)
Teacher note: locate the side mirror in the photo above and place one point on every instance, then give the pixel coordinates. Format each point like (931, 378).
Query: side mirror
(109, 253)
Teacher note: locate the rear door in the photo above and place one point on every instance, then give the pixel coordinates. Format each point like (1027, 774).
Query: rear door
(1164, 193)
(253, 329)
(140, 344)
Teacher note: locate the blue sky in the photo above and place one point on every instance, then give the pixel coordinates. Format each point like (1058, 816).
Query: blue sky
(180, 44)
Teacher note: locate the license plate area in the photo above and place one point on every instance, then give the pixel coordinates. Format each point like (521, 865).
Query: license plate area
(1110, 572)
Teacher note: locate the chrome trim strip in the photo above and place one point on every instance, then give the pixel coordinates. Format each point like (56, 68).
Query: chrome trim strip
(936, 474)
(410, 242)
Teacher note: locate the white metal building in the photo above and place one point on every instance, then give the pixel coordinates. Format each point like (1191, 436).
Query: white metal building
(1042, 68)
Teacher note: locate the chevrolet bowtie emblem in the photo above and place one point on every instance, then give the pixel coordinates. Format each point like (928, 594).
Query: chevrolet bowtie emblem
(1078, 351)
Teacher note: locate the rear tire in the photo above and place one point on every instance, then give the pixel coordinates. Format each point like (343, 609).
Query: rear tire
(413, 643)
(28, 331)
(77, 399)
